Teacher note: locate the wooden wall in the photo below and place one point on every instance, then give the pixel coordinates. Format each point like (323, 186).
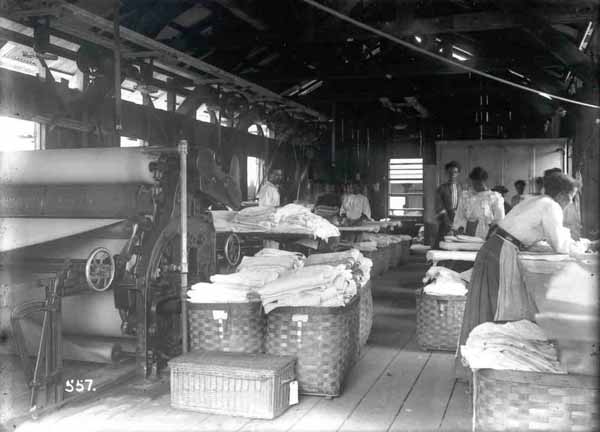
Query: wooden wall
(30, 98)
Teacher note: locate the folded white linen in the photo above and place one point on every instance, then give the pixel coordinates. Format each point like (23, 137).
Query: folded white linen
(249, 277)
(519, 345)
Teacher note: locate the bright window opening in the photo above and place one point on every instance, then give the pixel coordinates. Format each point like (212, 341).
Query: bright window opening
(405, 187)
(255, 167)
(17, 134)
(132, 142)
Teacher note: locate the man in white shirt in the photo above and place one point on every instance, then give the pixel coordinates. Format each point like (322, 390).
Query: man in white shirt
(356, 205)
(268, 196)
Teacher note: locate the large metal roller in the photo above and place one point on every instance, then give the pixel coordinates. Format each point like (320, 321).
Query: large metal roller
(76, 166)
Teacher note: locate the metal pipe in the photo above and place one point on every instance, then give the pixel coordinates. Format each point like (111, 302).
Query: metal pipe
(333, 135)
(368, 148)
(183, 150)
(117, 53)
(443, 59)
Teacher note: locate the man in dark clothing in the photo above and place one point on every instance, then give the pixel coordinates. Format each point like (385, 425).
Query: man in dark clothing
(448, 196)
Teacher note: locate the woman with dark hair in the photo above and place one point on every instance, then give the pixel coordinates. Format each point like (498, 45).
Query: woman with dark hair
(480, 208)
(520, 188)
(497, 291)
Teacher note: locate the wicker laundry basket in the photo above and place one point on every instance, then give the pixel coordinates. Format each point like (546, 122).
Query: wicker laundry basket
(439, 319)
(231, 327)
(405, 251)
(365, 311)
(531, 401)
(387, 257)
(238, 384)
(324, 340)
(377, 256)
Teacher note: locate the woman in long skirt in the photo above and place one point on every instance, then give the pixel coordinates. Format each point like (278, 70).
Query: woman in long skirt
(497, 291)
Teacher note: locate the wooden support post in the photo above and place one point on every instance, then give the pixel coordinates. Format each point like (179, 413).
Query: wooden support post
(117, 78)
(171, 96)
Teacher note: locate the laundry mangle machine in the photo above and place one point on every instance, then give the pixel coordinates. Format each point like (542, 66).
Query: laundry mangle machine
(95, 234)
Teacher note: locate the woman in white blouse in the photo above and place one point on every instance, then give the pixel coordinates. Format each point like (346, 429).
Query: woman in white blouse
(497, 291)
(479, 208)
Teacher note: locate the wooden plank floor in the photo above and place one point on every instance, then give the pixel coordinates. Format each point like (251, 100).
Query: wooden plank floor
(393, 387)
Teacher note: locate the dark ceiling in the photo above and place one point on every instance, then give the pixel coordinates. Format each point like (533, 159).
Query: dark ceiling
(300, 52)
(281, 44)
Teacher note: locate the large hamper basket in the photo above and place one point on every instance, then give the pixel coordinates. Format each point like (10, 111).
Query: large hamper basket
(366, 312)
(405, 250)
(377, 257)
(323, 339)
(232, 327)
(238, 384)
(396, 252)
(387, 257)
(532, 401)
(439, 319)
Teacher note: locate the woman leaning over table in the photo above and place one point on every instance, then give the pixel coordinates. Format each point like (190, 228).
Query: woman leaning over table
(497, 291)
(478, 209)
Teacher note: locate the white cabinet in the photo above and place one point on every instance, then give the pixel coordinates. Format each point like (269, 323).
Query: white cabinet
(506, 161)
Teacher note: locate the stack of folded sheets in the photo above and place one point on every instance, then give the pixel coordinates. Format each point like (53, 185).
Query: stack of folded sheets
(352, 259)
(316, 285)
(280, 264)
(326, 211)
(261, 218)
(442, 281)
(519, 345)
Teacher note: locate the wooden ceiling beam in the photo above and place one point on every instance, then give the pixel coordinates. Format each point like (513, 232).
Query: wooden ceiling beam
(469, 22)
(555, 43)
(238, 11)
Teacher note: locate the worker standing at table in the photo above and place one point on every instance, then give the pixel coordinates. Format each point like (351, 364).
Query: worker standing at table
(268, 196)
(479, 209)
(497, 291)
(356, 206)
(448, 196)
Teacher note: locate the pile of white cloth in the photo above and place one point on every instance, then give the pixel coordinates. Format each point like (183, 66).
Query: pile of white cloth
(262, 218)
(519, 345)
(352, 259)
(296, 218)
(204, 292)
(443, 281)
(317, 285)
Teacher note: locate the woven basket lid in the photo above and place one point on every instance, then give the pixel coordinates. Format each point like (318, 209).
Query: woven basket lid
(222, 362)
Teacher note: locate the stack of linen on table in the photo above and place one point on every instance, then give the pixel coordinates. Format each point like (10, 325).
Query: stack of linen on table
(326, 211)
(259, 218)
(296, 218)
(519, 345)
(442, 281)
(318, 285)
